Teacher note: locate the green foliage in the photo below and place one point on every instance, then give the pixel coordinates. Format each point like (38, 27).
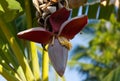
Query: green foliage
(113, 75)
(9, 9)
(14, 61)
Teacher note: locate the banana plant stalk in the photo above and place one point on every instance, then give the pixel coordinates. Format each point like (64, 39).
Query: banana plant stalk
(45, 64)
(33, 49)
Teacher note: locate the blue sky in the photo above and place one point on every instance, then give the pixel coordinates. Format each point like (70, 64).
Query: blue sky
(2, 79)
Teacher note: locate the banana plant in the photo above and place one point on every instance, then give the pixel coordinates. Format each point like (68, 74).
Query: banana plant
(53, 29)
(19, 58)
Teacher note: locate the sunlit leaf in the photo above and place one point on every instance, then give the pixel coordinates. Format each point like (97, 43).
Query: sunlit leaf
(9, 9)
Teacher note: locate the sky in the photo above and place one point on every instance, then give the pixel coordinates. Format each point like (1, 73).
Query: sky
(2, 79)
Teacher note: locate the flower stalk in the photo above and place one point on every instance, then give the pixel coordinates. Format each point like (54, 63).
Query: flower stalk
(34, 57)
(45, 65)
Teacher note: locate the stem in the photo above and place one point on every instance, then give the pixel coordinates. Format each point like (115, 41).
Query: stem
(35, 64)
(28, 13)
(29, 25)
(45, 65)
(34, 56)
(63, 79)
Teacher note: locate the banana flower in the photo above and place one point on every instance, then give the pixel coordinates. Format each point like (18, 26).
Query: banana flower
(63, 29)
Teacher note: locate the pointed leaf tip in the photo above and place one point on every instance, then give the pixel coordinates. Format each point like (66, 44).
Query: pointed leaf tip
(59, 17)
(38, 35)
(58, 55)
(71, 27)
